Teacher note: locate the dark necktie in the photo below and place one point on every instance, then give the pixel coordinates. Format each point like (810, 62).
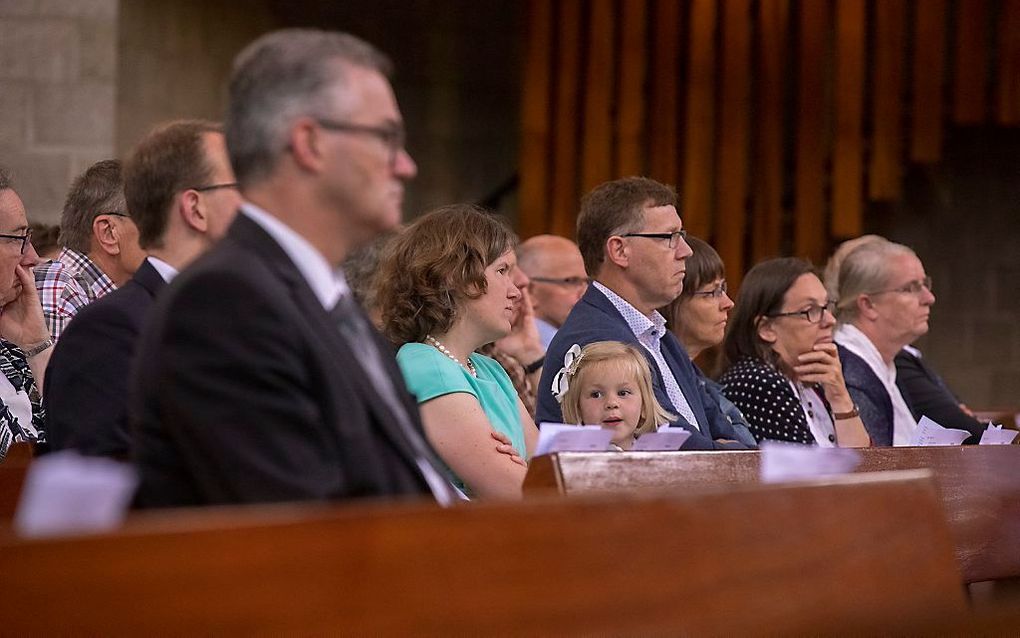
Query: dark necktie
(359, 336)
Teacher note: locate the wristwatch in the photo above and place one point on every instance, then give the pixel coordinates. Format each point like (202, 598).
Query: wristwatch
(841, 416)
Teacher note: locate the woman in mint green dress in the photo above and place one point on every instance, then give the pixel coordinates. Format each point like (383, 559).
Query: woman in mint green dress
(445, 290)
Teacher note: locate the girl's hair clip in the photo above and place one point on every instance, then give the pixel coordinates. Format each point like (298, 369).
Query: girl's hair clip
(561, 382)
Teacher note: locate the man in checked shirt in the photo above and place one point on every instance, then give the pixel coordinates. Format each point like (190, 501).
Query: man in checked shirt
(100, 246)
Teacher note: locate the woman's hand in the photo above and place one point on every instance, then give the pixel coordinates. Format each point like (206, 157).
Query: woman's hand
(21, 320)
(505, 447)
(822, 366)
(523, 342)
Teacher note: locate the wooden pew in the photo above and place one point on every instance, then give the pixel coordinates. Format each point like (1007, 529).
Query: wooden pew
(12, 478)
(979, 487)
(745, 560)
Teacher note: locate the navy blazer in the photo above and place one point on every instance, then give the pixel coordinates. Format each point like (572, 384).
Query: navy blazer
(246, 391)
(870, 396)
(594, 318)
(87, 377)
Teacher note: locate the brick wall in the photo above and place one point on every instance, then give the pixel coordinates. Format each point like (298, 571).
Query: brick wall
(57, 86)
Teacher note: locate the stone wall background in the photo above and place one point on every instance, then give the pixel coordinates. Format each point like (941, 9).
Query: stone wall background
(58, 77)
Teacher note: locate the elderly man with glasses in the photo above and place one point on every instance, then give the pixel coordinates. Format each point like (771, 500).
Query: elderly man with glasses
(556, 270)
(25, 344)
(100, 246)
(632, 241)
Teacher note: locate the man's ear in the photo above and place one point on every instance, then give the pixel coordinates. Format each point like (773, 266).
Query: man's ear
(192, 211)
(766, 331)
(106, 234)
(617, 252)
(866, 308)
(305, 144)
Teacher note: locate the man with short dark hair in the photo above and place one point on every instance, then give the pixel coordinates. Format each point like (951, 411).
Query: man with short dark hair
(25, 346)
(259, 378)
(632, 242)
(100, 246)
(555, 269)
(182, 196)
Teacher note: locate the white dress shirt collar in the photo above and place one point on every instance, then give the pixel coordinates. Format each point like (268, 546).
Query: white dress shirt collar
(328, 283)
(165, 270)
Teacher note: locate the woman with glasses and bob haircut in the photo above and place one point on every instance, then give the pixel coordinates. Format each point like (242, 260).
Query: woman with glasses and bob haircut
(784, 372)
(698, 318)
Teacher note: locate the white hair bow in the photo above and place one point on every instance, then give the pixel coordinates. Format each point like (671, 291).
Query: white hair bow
(561, 382)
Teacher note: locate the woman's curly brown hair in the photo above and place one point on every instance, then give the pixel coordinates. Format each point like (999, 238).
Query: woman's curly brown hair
(435, 264)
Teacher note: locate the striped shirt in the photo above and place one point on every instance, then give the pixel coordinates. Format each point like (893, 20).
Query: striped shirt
(66, 285)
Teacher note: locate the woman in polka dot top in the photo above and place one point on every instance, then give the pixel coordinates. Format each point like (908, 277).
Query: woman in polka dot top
(783, 370)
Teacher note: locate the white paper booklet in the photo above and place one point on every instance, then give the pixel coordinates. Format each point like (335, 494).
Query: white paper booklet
(65, 493)
(666, 440)
(792, 462)
(995, 435)
(559, 437)
(930, 433)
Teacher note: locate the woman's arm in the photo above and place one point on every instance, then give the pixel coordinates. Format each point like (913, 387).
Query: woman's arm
(461, 433)
(822, 366)
(529, 427)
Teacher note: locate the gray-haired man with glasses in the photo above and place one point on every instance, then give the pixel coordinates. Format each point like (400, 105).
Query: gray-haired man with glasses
(556, 270)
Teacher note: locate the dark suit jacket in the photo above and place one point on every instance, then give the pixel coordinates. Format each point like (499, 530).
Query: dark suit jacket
(245, 390)
(931, 397)
(594, 318)
(868, 392)
(86, 390)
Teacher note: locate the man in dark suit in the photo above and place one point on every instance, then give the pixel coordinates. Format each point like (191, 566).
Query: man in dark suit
(182, 196)
(632, 242)
(258, 378)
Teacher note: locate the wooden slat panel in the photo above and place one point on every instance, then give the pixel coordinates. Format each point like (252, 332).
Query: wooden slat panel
(929, 78)
(565, 152)
(809, 210)
(971, 62)
(535, 108)
(1008, 95)
(848, 171)
(631, 97)
(731, 171)
(664, 124)
(596, 160)
(773, 16)
(886, 168)
(699, 132)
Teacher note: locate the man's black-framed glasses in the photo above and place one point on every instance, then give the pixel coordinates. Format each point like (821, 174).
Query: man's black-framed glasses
(714, 293)
(909, 288)
(25, 239)
(394, 136)
(566, 282)
(813, 314)
(213, 187)
(673, 237)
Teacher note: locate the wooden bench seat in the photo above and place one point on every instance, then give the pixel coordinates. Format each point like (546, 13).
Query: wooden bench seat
(979, 487)
(747, 560)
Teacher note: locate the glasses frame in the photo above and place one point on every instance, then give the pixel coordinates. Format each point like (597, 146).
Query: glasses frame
(909, 288)
(714, 293)
(673, 237)
(212, 187)
(570, 282)
(830, 305)
(394, 137)
(25, 239)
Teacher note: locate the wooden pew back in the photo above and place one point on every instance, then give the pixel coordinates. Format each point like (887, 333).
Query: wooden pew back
(979, 487)
(784, 559)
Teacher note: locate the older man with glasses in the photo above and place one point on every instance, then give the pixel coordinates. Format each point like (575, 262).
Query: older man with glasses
(25, 344)
(556, 270)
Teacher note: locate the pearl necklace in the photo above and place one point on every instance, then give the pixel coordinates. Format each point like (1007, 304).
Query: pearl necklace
(432, 341)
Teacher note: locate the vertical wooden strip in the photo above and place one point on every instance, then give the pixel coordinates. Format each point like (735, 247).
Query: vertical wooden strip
(631, 94)
(809, 190)
(699, 133)
(773, 17)
(848, 170)
(663, 118)
(971, 70)
(929, 78)
(735, 113)
(596, 160)
(886, 168)
(535, 109)
(1008, 94)
(565, 152)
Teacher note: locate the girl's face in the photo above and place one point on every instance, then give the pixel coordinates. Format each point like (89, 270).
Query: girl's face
(610, 397)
